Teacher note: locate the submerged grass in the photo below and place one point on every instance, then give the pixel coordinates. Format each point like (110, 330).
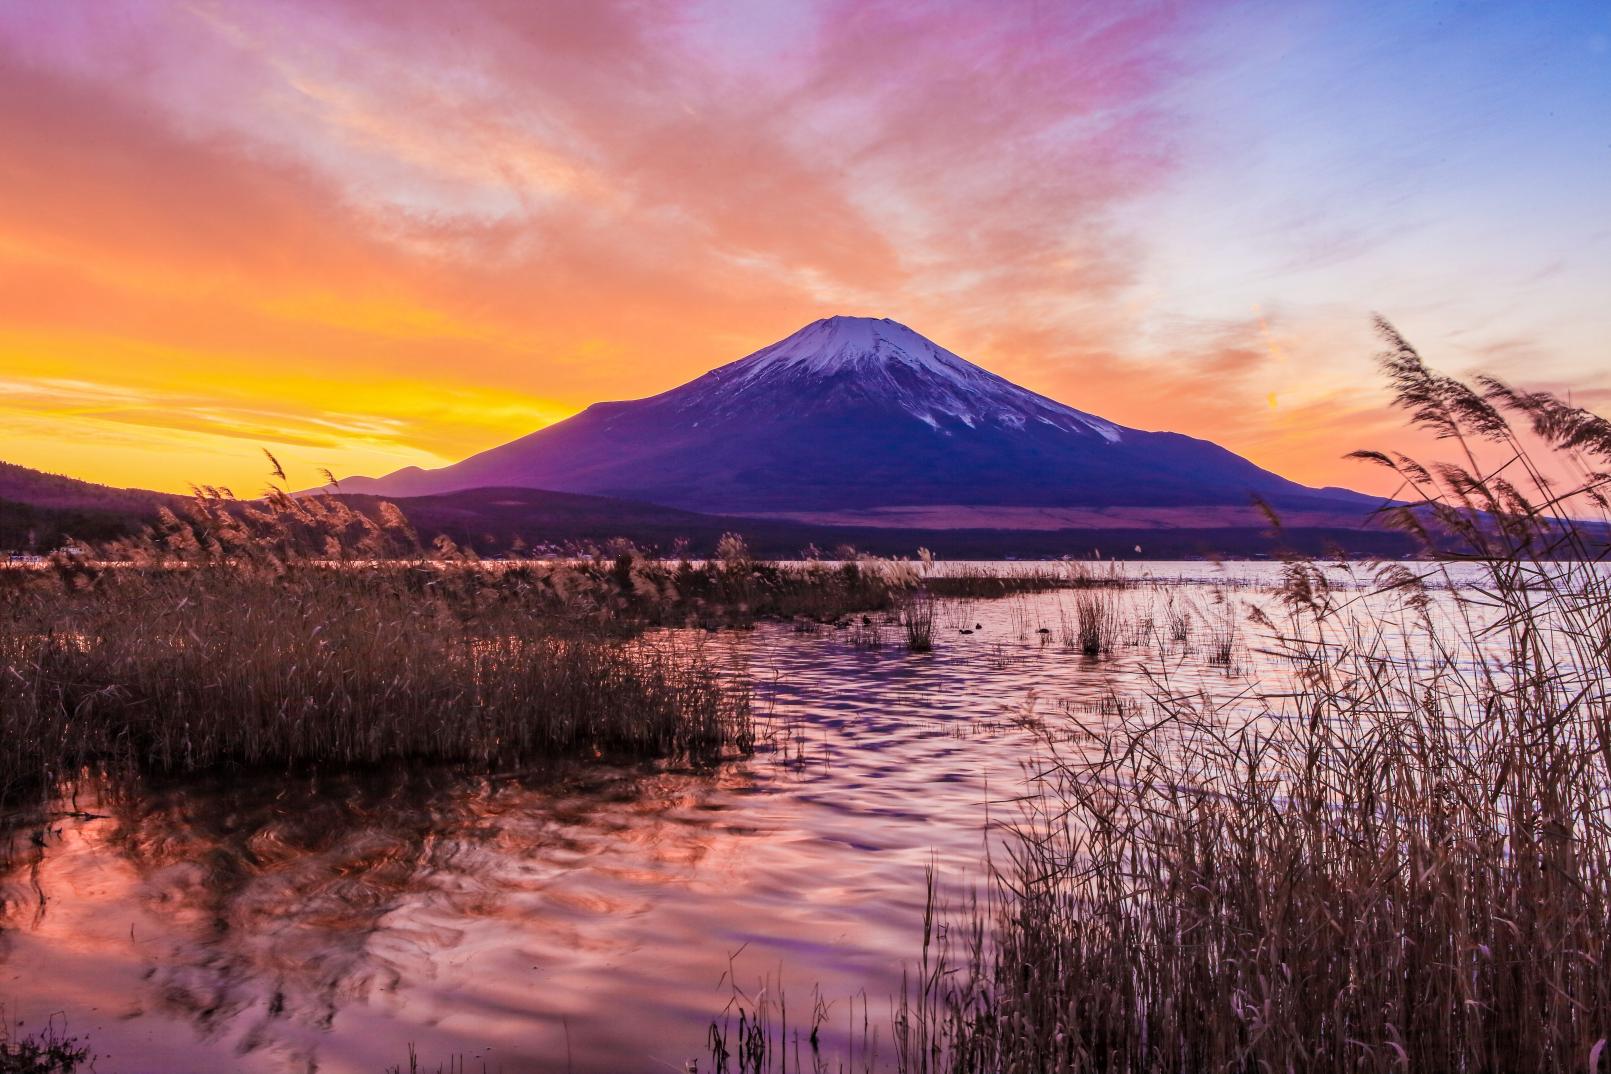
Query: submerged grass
(917, 619)
(1097, 623)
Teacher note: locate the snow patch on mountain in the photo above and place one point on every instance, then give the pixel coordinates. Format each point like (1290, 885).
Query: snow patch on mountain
(837, 344)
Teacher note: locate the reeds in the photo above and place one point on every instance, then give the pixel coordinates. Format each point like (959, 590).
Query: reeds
(972, 581)
(239, 636)
(301, 630)
(1178, 621)
(917, 620)
(1223, 638)
(977, 581)
(182, 670)
(866, 634)
(1398, 859)
(1096, 622)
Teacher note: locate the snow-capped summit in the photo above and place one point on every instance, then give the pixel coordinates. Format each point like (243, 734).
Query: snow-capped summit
(885, 357)
(857, 414)
(860, 344)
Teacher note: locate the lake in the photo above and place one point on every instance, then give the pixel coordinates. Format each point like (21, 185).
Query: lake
(589, 916)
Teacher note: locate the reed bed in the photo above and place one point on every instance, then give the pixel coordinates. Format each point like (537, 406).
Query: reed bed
(1401, 861)
(972, 581)
(1393, 868)
(228, 637)
(738, 590)
(301, 630)
(177, 671)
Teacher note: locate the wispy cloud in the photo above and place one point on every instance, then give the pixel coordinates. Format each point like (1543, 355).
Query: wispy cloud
(86, 400)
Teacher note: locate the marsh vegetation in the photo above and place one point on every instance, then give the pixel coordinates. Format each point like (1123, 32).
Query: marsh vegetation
(301, 631)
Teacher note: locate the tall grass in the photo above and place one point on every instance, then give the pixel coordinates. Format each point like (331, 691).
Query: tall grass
(297, 630)
(1096, 622)
(624, 588)
(917, 620)
(1223, 637)
(1400, 861)
(176, 671)
(221, 641)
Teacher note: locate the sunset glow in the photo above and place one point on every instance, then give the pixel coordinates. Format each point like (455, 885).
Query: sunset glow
(366, 236)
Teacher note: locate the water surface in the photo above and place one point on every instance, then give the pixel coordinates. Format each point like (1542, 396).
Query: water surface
(595, 916)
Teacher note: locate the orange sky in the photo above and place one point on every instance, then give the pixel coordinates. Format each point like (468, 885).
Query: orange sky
(369, 235)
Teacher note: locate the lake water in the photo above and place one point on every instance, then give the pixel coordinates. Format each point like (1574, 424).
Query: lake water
(588, 917)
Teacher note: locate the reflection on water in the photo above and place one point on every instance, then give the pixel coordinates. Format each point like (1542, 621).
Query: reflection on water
(592, 915)
(257, 912)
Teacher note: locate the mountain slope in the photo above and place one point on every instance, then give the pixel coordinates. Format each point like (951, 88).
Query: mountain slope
(855, 414)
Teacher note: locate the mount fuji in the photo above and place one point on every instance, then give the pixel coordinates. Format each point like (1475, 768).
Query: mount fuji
(864, 421)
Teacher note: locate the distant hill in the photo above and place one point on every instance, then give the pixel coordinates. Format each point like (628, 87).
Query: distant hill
(19, 484)
(489, 520)
(39, 511)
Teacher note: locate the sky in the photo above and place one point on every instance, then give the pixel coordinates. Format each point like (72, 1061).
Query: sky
(366, 234)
